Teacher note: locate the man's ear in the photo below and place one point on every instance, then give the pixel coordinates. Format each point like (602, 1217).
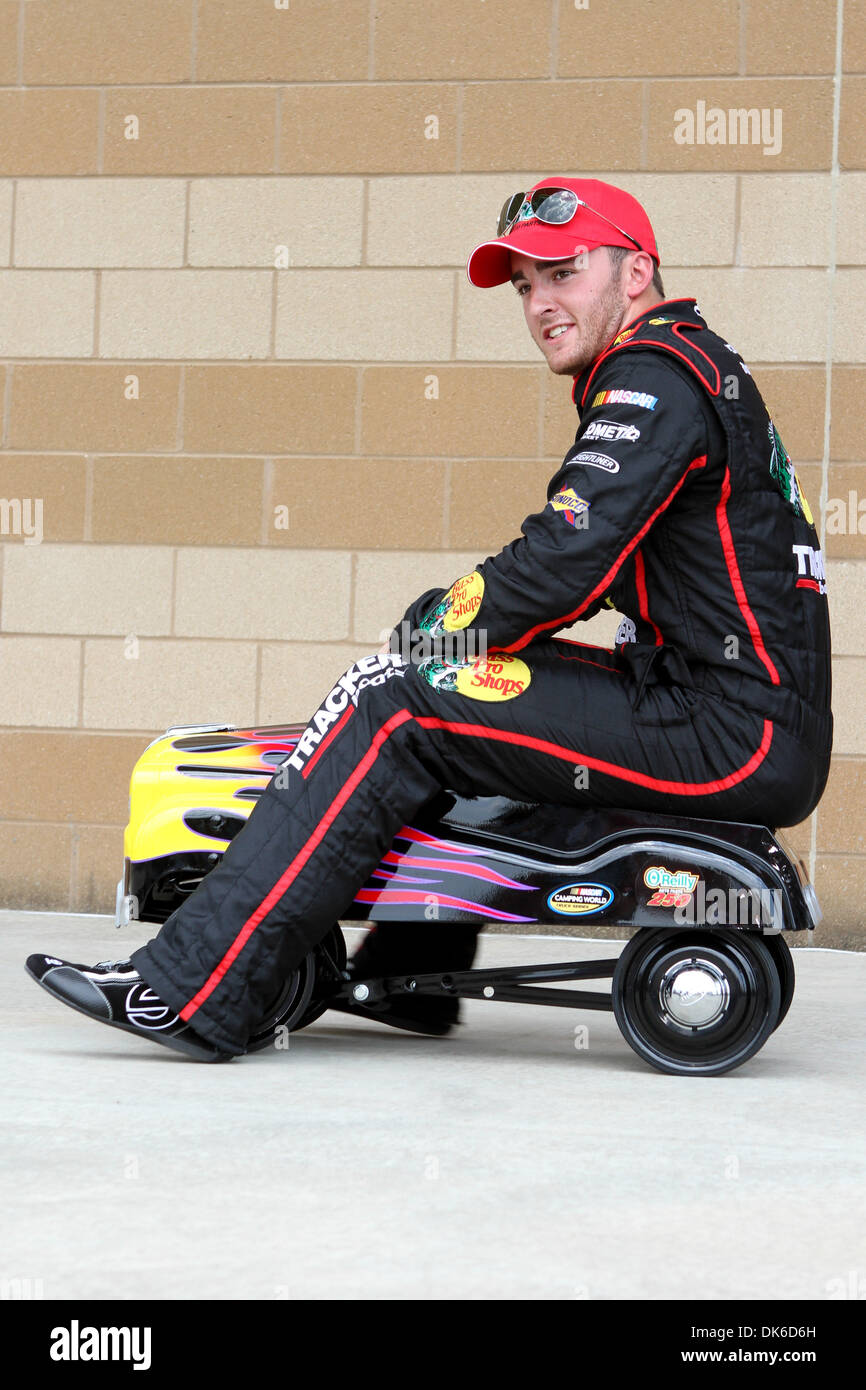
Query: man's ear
(640, 274)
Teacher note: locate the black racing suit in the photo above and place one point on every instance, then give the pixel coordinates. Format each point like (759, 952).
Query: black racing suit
(679, 507)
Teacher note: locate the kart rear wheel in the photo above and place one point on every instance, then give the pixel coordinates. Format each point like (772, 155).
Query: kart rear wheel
(299, 1000)
(696, 1003)
(331, 956)
(288, 1005)
(781, 953)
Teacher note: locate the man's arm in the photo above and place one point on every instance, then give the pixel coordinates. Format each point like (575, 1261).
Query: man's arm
(642, 437)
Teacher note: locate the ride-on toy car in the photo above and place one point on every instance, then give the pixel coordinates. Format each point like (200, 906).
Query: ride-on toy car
(697, 990)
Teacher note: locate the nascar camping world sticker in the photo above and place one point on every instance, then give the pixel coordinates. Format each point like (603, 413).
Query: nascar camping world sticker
(580, 899)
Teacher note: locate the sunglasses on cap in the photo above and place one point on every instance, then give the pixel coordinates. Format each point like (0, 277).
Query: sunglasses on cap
(555, 206)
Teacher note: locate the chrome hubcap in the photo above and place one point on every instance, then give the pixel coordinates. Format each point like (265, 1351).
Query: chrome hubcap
(693, 993)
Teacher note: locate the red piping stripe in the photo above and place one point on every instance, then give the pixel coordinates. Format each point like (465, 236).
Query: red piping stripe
(642, 597)
(606, 582)
(300, 859)
(654, 342)
(736, 579)
(611, 670)
(332, 733)
(605, 352)
(572, 755)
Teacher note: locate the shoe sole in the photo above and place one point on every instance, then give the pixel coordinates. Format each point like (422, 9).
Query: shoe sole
(175, 1043)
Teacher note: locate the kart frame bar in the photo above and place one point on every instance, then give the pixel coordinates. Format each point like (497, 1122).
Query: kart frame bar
(517, 984)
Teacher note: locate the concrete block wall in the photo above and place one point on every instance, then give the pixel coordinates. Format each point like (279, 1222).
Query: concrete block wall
(260, 405)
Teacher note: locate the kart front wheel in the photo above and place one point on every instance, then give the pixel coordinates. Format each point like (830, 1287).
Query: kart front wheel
(696, 1003)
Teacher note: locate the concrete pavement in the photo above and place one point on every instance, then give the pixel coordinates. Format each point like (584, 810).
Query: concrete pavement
(505, 1162)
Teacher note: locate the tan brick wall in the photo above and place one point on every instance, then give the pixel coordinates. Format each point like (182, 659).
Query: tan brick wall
(232, 240)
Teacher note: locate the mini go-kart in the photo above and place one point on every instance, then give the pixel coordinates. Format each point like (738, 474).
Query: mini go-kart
(697, 990)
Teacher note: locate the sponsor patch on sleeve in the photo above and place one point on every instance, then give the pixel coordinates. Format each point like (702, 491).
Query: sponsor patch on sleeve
(461, 603)
(572, 506)
(784, 475)
(596, 461)
(610, 430)
(623, 397)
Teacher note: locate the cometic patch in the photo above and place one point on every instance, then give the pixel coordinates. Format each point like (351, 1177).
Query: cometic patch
(610, 430)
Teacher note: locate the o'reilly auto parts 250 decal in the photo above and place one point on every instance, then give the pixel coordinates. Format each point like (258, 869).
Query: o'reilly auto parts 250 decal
(580, 899)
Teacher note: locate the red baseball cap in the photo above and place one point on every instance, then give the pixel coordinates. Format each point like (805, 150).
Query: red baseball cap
(591, 225)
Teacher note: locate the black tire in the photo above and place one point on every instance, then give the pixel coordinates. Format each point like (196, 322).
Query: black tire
(781, 953)
(720, 1022)
(331, 956)
(298, 1001)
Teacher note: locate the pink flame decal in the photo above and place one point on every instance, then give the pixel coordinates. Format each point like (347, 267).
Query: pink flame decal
(405, 897)
(420, 837)
(401, 878)
(472, 870)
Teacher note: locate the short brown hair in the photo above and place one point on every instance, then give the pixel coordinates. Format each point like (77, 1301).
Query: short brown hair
(618, 254)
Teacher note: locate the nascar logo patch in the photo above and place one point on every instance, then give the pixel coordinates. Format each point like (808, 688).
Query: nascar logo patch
(622, 397)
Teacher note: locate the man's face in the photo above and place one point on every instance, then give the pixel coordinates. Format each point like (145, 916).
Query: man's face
(583, 294)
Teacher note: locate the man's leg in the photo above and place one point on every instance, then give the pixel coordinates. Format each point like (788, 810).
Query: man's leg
(557, 725)
(315, 834)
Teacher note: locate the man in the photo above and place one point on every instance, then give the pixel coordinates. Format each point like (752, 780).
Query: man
(678, 506)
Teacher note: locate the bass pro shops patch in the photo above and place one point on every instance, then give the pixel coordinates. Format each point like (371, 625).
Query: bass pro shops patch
(497, 677)
(459, 606)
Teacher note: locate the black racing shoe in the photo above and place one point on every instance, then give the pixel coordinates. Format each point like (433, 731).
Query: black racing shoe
(406, 948)
(113, 992)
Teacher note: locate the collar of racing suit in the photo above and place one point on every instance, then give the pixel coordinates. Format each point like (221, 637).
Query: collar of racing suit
(673, 312)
